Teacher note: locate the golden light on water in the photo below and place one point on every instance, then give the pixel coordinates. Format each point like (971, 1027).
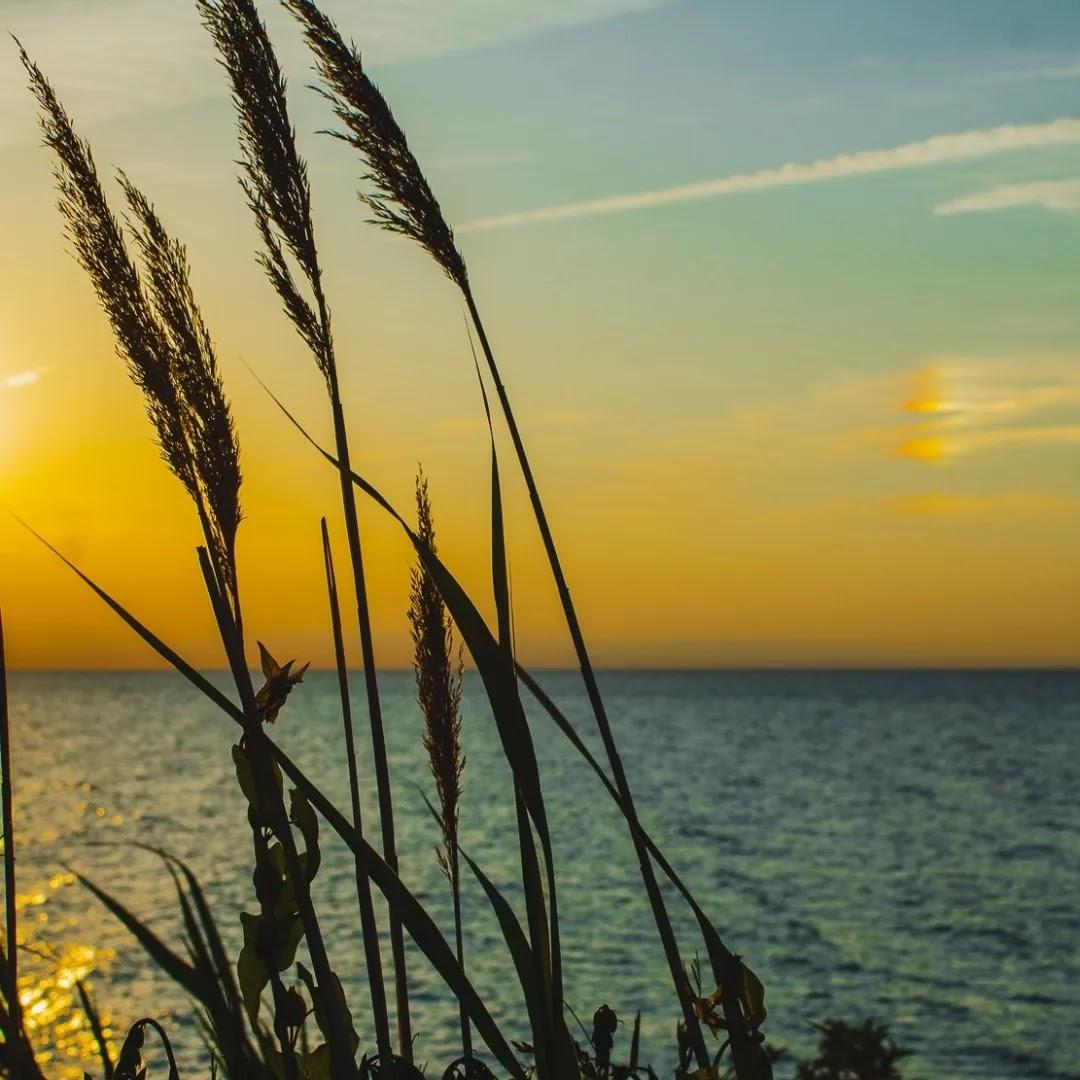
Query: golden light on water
(49, 994)
(53, 1014)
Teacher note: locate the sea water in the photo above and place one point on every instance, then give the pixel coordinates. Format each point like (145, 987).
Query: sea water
(897, 845)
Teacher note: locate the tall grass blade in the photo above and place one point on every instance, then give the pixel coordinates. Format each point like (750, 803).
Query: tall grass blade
(181, 972)
(166, 652)
(740, 984)
(544, 933)
(409, 910)
(274, 819)
(497, 673)
(532, 983)
(414, 917)
(728, 969)
(500, 684)
(97, 1028)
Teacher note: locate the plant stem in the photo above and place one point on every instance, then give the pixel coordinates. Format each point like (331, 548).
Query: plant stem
(363, 881)
(11, 974)
(371, 684)
(277, 987)
(378, 736)
(459, 942)
(341, 1053)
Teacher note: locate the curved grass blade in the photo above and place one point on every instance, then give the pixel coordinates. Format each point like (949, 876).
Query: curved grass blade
(543, 933)
(484, 649)
(740, 984)
(97, 1029)
(413, 916)
(521, 952)
(487, 653)
(182, 973)
(368, 927)
(168, 654)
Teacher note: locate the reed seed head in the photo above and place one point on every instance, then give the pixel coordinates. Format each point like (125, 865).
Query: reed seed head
(438, 679)
(275, 178)
(159, 329)
(402, 200)
(206, 416)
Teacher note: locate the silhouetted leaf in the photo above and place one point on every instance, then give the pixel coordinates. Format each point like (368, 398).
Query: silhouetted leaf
(251, 972)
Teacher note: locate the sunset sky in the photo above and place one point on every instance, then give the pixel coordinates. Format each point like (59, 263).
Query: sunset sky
(787, 297)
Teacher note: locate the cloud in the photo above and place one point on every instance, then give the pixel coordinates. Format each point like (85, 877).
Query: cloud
(1060, 195)
(968, 406)
(937, 149)
(940, 449)
(941, 412)
(20, 380)
(1007, 505)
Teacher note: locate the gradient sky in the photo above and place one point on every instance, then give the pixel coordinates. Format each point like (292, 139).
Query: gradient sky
(787, 297)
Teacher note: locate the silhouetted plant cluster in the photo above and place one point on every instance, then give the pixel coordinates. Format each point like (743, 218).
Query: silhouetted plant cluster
(279, 1010)
(864, 1051)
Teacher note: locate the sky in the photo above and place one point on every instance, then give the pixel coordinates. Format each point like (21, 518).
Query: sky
(785, 296)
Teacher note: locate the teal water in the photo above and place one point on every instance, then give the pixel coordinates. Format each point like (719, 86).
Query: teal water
(897, 845)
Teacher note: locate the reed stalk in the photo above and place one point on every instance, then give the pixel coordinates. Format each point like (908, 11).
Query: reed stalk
(276, 185)
(369, 928)
(16, 1040)
(438, 693)
(402, 201)
(170, 356)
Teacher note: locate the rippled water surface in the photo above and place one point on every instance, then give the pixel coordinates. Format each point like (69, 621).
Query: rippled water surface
(905, 846)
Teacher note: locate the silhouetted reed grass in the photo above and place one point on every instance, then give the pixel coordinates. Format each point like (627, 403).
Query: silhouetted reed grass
(162, 335)
(438, 692)
(404, 203)
(276, 184)
(170, 355)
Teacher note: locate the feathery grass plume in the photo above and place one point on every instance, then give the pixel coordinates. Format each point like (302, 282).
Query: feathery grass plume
(438, 692)
(205, 413)
(438, 675)
(276, 184)
(403, 201)
(159, 330)
(99, 246)
(275, 177)
(162, 335)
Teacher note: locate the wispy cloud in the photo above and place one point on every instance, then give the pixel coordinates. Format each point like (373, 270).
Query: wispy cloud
(964, 407)
(1060, 195)
(1008, 505)
(938, 149)
(20, 379)
(942, 412)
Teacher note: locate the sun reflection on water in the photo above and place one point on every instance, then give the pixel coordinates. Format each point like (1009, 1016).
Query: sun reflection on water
(49, 979)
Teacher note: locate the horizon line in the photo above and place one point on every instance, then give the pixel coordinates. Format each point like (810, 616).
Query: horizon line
(625, 669)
